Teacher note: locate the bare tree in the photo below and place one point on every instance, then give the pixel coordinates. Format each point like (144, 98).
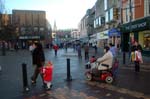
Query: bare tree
(2, 8)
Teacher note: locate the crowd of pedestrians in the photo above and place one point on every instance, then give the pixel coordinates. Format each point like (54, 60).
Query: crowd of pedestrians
(106, 61)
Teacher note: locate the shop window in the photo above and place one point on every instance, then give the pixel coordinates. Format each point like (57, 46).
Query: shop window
(111, 14)
(146, 41)
(96, 22)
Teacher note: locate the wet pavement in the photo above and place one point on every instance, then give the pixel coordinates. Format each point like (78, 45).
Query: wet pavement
(128, 84)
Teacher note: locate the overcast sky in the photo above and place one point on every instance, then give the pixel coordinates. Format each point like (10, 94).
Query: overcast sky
(67, 13)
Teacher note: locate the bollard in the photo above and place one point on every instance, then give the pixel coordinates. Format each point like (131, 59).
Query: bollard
(0, 68)
(124, 58)
(25, 79)
(69, 78)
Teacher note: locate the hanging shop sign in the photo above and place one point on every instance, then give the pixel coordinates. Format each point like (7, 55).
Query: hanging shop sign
(29, 37)
(113, 32)
(102, 35)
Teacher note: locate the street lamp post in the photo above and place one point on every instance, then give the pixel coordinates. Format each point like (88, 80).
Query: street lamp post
(130, 30)
(130, 12)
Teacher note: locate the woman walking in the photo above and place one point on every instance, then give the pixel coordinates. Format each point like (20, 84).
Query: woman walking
(38, 58)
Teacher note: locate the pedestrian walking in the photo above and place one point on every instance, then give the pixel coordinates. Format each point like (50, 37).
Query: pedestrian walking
(31, 47)
(79, 50)
(138, 60)
(47, 72)
(16, 47)
(55, 47)
(113, 49)
(95, 48)
(136, 55)
(86, 51)
(38, 58)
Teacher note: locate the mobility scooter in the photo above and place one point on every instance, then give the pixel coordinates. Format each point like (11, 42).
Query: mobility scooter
(95, 74)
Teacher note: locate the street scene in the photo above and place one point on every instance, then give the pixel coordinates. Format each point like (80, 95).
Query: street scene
(128, 84)
(74, 49)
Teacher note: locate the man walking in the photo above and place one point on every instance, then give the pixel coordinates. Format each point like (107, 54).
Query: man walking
(86, 51)
(55, 47)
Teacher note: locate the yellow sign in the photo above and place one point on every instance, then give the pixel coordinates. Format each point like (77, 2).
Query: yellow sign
(53, 35)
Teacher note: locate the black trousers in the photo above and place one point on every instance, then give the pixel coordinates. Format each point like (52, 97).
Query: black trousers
(36, 73)
(55, 52)
(137, 66)
(86, 55)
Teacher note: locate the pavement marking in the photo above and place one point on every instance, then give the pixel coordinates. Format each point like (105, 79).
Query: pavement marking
(119, 90)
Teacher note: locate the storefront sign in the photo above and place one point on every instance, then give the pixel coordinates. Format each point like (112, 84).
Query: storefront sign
(29, 37)
(138, 25)
(113, 32)
(102, 35)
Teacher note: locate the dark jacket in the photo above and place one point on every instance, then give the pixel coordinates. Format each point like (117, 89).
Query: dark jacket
(38, 56)
(138, 47)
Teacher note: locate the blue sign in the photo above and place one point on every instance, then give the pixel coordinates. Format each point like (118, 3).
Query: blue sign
(113, 32)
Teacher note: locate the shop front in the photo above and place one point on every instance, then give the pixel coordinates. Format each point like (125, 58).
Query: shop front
(114, 37)
(25, 40)
(93, 40)
(102, 38)
(138, 30)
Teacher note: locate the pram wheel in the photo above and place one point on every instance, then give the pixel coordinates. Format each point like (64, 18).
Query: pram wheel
(109, 79)
(88, 76)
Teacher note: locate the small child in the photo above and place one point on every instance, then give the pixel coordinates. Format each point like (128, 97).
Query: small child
(92, 59)
(47, 72)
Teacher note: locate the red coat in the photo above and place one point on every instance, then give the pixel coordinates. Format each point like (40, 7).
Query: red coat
(55, 47)
(47, 73)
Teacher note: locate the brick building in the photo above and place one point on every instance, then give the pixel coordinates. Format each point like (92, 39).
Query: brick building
(136, 27)
(30, 26)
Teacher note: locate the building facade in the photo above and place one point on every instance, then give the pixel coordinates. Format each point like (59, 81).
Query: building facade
(83, 29)
(136, 27)
(31, 26)
(106, 22)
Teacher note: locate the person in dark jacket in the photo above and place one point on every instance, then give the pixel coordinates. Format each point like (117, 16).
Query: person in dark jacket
(137, 48)
(38, 59)
(86, 51)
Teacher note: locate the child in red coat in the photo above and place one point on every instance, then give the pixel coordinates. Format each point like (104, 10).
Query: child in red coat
(92, 59)
(47, 72)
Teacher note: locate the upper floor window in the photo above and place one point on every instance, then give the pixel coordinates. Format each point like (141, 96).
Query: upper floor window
(106, 16)
(100, 23)
(127, 15)
(97, 22)
(94, 23)
(105, 4)
(149, 7)
(111, 14)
